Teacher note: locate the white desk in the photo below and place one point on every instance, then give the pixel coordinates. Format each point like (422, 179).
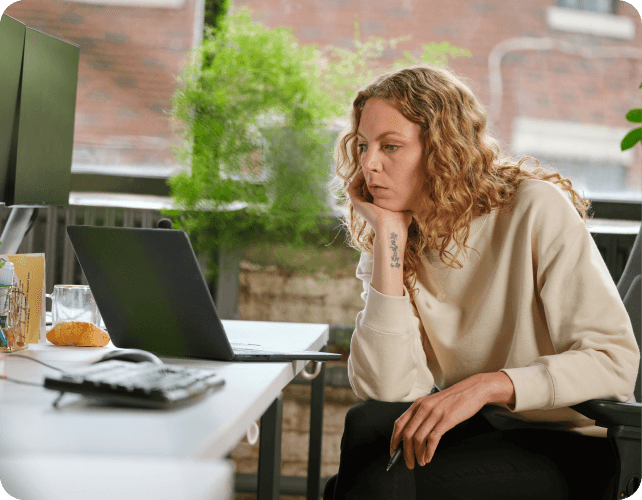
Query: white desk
(68, 477)
(206, 430)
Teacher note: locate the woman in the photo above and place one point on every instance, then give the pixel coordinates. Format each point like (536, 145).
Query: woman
(488, 309)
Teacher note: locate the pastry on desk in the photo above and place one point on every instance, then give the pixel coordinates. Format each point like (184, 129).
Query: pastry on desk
(77, 334)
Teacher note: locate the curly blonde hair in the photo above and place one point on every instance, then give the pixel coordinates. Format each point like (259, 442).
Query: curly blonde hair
(465, 173)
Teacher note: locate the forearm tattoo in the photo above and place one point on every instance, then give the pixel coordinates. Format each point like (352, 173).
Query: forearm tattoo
(394, 247)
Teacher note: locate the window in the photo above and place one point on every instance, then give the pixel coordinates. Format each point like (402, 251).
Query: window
(589, 155)
(603, 6)
(591, 22)
(598, 179)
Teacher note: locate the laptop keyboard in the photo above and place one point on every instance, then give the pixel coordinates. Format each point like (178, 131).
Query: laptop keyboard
(247, 347)
(301, 354)
(137, 384)
(259, 349)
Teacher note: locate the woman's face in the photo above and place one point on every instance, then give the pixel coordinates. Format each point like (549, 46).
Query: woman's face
(390, 149)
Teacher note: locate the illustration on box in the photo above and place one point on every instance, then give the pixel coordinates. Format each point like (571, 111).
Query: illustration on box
(14, 308)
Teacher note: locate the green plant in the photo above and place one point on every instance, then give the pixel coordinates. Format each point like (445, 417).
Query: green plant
(214, 12)
(635, 135)
(348, 69)
(252, 117)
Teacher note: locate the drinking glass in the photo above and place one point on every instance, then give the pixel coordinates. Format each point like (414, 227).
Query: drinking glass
(73, 303)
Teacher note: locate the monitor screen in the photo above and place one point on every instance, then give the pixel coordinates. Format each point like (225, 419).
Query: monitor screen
(38, 76)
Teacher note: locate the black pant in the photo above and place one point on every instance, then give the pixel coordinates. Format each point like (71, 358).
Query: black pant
(473, 461)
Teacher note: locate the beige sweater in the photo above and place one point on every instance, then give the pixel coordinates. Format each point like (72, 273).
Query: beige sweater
(537, 303)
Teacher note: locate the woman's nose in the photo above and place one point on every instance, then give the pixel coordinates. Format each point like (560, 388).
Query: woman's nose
(371, 161)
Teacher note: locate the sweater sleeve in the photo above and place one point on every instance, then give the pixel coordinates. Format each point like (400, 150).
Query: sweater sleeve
(387, 361)
(596, 354)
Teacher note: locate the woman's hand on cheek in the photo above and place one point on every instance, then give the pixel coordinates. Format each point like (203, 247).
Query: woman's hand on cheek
(430, 417)
(372, 213)
(358, 190)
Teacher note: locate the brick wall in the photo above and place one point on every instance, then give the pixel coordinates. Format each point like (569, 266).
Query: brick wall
(129, 58)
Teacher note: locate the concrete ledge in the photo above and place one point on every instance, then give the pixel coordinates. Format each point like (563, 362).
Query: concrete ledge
(612, 226)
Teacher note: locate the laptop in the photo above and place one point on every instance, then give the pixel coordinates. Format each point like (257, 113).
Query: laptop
(152, 296)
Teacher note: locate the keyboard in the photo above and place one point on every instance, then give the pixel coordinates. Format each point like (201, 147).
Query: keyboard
(143, 384)
(259, 349)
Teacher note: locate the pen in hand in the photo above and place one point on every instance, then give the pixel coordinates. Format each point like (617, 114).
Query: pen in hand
(395, 456)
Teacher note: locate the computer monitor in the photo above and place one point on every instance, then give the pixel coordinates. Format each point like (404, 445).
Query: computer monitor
(38, 82)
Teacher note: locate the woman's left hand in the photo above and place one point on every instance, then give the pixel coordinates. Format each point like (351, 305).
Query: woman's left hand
(430, 417)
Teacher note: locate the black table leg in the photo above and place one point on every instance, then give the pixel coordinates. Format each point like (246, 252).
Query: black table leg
(270, 451)
(316, 433)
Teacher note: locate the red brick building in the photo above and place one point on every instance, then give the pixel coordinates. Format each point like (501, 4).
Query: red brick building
(557, 76)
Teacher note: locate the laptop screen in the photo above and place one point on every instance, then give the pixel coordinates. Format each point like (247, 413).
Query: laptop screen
(150, 291)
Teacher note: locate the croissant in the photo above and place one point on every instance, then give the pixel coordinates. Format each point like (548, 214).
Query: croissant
(77, 333)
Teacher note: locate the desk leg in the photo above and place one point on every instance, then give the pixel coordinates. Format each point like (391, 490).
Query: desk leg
(270, 451)
(317, 398)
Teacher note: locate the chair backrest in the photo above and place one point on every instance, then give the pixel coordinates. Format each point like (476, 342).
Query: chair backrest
(629, 287)
(632, 268)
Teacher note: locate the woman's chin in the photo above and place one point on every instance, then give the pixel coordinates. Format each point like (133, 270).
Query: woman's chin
(387, 204)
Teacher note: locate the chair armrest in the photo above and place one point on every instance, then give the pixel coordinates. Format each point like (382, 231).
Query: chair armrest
(608, 413)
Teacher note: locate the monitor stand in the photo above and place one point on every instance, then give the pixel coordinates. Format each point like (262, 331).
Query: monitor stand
(20, 221)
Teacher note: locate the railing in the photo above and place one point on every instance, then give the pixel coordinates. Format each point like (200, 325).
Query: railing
(49, 236)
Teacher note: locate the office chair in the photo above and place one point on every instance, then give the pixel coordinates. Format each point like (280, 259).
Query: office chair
(621, 419)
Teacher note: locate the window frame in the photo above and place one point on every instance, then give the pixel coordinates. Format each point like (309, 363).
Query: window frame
(613, 6)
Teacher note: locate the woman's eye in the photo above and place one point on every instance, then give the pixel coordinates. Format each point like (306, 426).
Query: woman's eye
(362, 147)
